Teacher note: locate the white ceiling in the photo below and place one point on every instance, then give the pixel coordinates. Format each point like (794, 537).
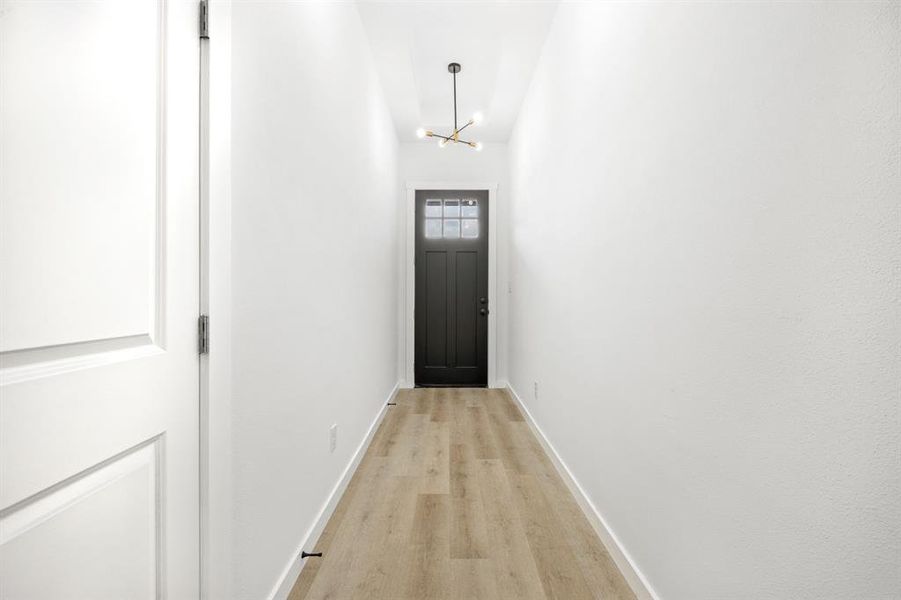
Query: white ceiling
(497, 43)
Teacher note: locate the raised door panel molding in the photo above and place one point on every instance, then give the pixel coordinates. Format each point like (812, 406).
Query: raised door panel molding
(81, 182)
(95, 535)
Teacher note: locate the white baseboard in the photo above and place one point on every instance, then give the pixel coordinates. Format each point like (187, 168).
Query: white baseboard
(633, 575)
(295, 565)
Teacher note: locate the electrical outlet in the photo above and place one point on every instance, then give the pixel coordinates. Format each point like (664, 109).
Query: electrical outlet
(535, 390)
(332, 437)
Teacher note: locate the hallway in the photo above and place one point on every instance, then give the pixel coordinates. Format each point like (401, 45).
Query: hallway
(246, 249)
(455, 498)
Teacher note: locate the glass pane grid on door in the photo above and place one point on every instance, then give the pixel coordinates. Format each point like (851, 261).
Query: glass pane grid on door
(443, 218)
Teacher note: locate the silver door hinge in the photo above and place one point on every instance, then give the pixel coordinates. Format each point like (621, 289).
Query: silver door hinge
(203, 334)
(204, 20)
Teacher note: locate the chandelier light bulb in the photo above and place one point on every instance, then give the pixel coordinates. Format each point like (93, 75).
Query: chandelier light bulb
(442, 143)
(420, 133)
(478, 146)
(477, 118)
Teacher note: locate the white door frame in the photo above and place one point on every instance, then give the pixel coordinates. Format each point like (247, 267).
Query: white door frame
(410, 273)
(216, 491)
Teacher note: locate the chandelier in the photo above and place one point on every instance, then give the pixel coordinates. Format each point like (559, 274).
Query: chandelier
(444, 140)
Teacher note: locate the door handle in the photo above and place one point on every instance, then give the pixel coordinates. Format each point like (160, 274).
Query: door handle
(483, 300)
(483, 311)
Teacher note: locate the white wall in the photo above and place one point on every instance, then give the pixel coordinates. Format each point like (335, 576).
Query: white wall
(425, 162)
(706, 264)
(314, 272)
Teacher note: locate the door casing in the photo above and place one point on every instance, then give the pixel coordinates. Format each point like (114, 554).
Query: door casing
(216, 490)
(409, 293)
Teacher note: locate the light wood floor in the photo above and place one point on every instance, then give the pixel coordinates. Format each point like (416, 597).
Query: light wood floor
(456, 499)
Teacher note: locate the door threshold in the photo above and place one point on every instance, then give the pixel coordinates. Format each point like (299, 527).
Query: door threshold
(450, 385)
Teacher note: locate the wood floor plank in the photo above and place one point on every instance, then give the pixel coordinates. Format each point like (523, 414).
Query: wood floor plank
(482, 436)
(473, 579)
(388, 434)
(408, 457)
(423, 400)
(428, 574)
(374, 575)
(508, 406)
(436, 459)
(560, 575)
(597, 566)
(515, 571)
(469, 533)
(351, 537)
(457, 500)
(326, 539)
(508, 446)
(463, 471)
(459, 418)
(441, 406)
(461, 398)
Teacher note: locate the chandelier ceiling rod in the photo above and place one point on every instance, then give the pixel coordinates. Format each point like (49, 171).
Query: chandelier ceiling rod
(455, 71)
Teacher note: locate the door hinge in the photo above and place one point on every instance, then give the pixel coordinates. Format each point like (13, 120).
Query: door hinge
(204, 20)
(203, 334)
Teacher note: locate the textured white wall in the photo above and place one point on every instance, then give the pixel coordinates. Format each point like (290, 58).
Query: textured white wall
(314, 272)
(425, 162)
(705, 266)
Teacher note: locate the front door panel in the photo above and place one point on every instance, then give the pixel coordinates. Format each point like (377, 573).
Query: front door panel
(451, 315)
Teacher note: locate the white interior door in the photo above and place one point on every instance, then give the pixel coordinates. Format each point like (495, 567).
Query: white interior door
(98, 299)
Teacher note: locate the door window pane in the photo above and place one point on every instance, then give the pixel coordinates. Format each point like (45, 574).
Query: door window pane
(451, 228)
(470, 209)
(433, 228)
(452, 208)
(470, 228)
(432, 208)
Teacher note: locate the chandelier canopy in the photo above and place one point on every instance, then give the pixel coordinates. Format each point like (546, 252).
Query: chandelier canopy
(444, 140)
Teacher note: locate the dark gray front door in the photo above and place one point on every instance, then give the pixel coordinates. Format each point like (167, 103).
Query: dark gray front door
(451, 318)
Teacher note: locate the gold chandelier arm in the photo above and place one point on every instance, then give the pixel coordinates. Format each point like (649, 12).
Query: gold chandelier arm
(471, 122)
